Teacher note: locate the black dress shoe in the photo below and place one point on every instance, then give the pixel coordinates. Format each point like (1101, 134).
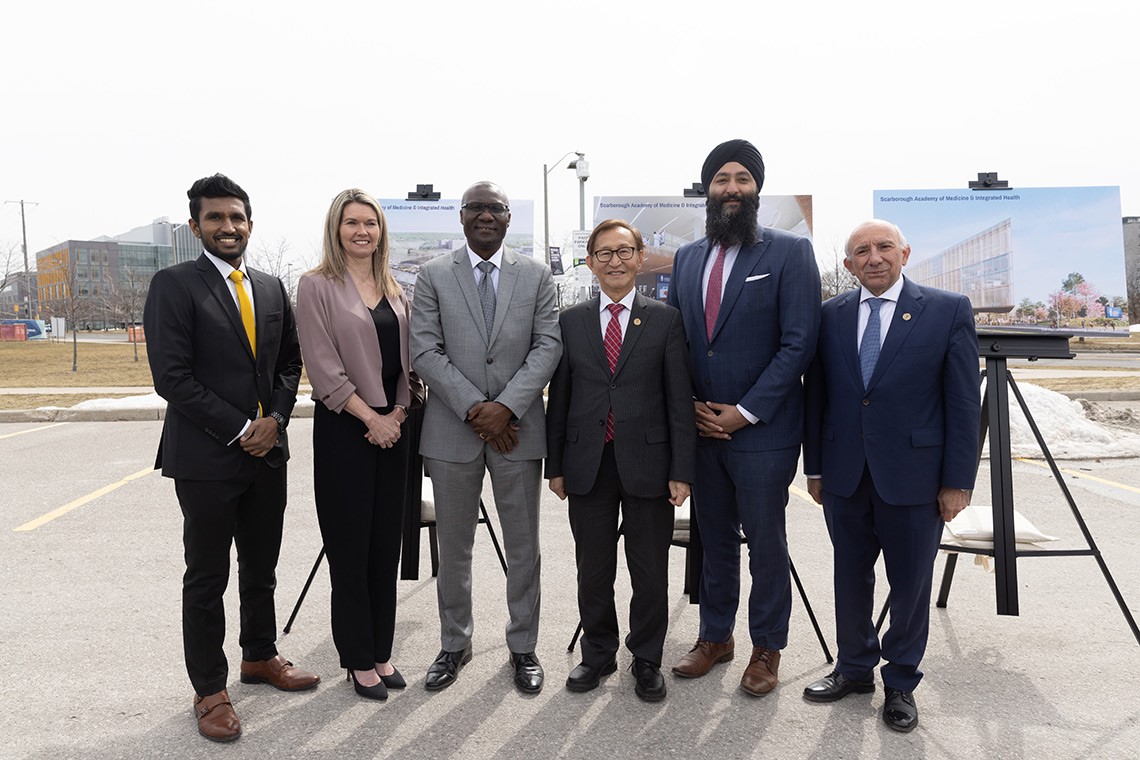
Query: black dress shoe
(836, 686)
(586, 677)
(900, 712)
(650, 685)
(376, 691)
(445, 669)
(394, 680)
(528, 673)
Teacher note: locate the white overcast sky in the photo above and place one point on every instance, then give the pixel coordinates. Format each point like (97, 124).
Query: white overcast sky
(111, 110)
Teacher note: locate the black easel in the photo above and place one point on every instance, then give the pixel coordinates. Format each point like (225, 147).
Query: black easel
(996, 347)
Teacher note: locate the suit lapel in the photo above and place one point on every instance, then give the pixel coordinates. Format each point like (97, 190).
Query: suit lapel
(847, 322)
(908, 311)
(461, 267)
(261, 285)
(508, 276)
(695, 303)
(745, 262)
(221, 292)
(638, 323)
(592, 330)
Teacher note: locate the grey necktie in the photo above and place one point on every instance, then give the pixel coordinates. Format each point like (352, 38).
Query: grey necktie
(487, 294)
(869, 348)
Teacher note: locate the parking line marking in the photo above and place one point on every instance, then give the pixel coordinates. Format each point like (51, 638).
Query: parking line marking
(41, 520)
(1086, 476)
(31, 430)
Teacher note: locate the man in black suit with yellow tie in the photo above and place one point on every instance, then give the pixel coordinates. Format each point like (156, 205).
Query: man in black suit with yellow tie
(223, 351)
(620, 434)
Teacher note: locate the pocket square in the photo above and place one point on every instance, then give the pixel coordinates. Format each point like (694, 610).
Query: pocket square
(756, 277)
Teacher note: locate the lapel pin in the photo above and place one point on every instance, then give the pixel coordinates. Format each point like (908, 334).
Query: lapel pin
(637, 320)
(906, 317)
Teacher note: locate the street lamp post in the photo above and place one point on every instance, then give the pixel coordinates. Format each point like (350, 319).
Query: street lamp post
(582, 166)
(546, 169)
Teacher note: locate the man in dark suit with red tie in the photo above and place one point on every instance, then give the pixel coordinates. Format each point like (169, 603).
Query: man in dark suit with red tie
(223, 351)
(890, 450)
(750, 299)
(620, 437)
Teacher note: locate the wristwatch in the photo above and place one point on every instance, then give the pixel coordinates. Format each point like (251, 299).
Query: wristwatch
(280, 420)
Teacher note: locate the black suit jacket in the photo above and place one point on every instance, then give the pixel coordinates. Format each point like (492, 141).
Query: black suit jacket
(650, 393)
(202, 365)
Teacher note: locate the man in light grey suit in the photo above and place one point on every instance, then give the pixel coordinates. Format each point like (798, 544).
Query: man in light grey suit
(485, 339)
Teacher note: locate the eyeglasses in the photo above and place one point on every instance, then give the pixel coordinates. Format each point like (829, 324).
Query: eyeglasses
(625, 253)
(496, 209)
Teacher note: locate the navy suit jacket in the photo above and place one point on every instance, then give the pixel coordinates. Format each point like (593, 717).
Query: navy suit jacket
(204, 367)
(915, 427)
(764, 336)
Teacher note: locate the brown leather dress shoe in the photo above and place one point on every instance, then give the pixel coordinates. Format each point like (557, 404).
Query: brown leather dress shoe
(278, 672)
(760, 676)
(703, 656)
(217, 720)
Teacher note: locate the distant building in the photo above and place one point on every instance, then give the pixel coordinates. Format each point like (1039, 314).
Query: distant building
(18, 295)
(1132, 266)
(980, 267)
(106, 271)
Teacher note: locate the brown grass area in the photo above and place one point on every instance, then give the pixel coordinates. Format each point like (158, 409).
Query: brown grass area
(47, 364)
(1070, 384)
(1114, 343)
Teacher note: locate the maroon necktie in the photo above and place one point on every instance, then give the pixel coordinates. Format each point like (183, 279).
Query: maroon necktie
(612, 343)
(712, 295)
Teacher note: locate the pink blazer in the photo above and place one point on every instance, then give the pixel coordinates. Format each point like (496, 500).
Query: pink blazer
(338, 342)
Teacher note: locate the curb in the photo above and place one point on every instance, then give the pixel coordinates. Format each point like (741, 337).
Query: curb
(148, 415)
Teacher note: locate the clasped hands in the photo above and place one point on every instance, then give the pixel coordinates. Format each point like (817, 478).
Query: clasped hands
(491, 421)
(718, 420)
(384, 429)
(260, 437)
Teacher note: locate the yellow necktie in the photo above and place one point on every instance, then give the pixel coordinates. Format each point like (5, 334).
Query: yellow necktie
(246, 309)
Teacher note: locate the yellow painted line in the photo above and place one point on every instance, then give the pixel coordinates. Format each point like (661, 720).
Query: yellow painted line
(804, 495)
(1086, 476)
(81, 501)
(31, 430)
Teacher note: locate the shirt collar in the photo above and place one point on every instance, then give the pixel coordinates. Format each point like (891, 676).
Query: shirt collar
(476, 259)
(225, 267)
(626, 301)
(890, 294)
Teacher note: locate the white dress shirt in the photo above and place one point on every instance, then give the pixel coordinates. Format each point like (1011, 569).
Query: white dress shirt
(886, 311)
(623, 316)
(476, 260)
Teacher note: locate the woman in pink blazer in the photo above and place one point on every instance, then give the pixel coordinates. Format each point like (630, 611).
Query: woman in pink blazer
(353, 323)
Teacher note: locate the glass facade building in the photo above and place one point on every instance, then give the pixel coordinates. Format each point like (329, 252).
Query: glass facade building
(980, 267)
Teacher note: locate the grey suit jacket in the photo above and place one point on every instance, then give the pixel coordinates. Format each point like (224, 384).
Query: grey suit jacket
(463, 366)
(650, 392)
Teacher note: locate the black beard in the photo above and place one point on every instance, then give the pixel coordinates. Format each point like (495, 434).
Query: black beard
(732, 228)
(227, 257)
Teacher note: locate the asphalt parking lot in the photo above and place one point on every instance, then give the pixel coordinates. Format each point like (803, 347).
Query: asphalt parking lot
(90, 641)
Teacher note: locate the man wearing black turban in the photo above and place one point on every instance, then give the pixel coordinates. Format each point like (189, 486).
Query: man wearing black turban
(750, 298)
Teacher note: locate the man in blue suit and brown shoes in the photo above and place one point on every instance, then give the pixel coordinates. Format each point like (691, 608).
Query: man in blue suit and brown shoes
(890, 450)
(749, 296)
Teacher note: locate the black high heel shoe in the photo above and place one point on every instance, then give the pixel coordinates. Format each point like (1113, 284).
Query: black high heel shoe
(378, 691)
(393, 680)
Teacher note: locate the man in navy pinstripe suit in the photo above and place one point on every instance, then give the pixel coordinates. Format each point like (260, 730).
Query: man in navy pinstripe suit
(750, 298)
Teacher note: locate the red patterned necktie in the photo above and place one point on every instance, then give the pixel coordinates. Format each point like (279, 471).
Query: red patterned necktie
(613, 351)
(712, 295)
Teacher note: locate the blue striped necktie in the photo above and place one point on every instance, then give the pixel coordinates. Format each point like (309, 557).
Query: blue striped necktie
(869, 348)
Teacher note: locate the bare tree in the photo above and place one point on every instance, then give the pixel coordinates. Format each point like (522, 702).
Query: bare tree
(10, 264)
(279, 260)
(124, 300)
(836, 279)
(70, 292)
